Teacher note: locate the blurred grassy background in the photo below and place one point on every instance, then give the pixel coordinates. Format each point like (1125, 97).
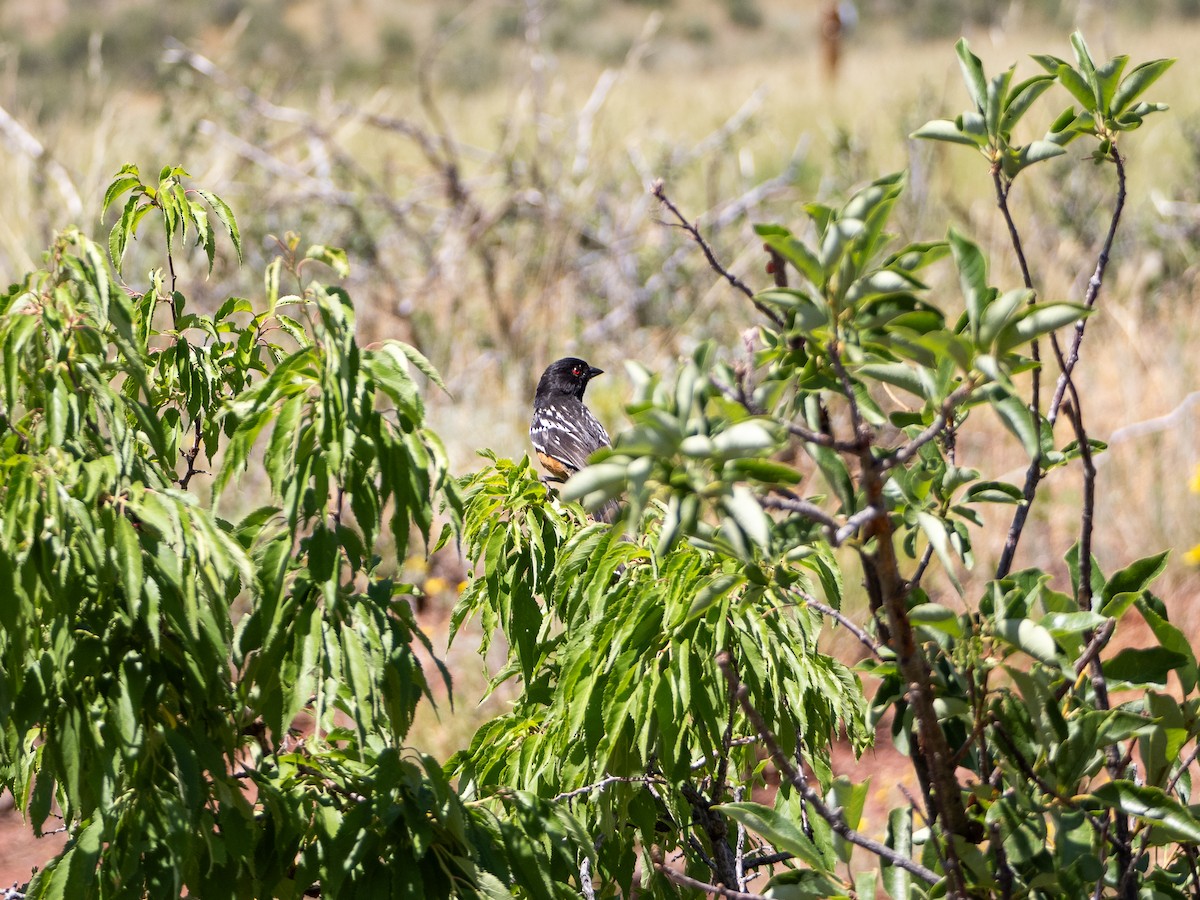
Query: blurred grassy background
(486, 166)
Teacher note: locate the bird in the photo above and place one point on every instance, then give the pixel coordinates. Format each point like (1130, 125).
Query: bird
(563, 431)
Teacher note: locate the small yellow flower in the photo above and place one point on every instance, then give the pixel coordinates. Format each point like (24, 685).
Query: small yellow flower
(1192, 557)
(435, 585)
(1194, 484)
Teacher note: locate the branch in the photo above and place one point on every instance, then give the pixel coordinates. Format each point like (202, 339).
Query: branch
(190, 458)
(825, 610)
(657, 190)
(832, 816)
(856, 419)
(687, 881)
(1086, 515)
(769, 860)
(1095, 645)
(803, 508)
(1033, 474)
(837, 532)
(605, 782)
(1093, 288)
(807, 435)
(935, 428)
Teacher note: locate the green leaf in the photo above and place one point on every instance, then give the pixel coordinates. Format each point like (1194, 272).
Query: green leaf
(124, 228)
(225, 215)
(1150, 665)
(1136, 577)
(798, 254)
(777, 828)
(897, 881)
(1136, 83)
(972, 275)
(808, 315)
(905, 377)
(1107, 78)
(1038, 320)
(334, 257)
(125, 180)
(766, 471)
(948, 131)
(417, 358)
(743, 507)
(1021, 97)
(936, 616)
(712, 592)
(1017, 418)
(851, 799)
(1079, 87)
(1028, 637)
(1170, 638)
(1083, 56)
(972, 72)
(1151, 805)
(605, 479)
(749, 437)
(128, 553)
(1036, 152)
(999, 312)
(935, 531)
(993, 492)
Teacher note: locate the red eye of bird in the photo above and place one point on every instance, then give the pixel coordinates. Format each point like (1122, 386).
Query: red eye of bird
(575, 371)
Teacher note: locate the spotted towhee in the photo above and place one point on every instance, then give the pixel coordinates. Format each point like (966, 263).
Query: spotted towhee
(564, 431)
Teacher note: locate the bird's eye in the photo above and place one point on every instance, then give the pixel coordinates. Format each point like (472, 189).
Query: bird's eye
(576, 371)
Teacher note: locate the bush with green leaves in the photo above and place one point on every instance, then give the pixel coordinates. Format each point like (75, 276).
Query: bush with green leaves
(207, 702)
(669, 669)
(211, 696)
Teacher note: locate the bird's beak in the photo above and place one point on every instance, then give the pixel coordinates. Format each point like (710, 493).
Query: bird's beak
(593, 371)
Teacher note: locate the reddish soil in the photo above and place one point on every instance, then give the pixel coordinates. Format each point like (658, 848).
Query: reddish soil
(20, 852)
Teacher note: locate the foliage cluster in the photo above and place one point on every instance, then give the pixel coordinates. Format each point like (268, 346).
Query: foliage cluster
(839, 428)
(203, 704)
(218, 703)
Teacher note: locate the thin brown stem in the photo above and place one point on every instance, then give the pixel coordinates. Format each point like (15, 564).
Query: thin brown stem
(824, 609)
(1067, 366)
(679, 878)
(660, 194)
(189, 457)
(1087, 512)
(941, 421)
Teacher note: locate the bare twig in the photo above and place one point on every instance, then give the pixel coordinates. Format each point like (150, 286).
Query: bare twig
(1097, 643)
(935, 428)
(1093, 288)
(687, 881)
(605, 782)
(1087, 511)
(585, 879)
(769, 859)
(716, 829)
(190, 457)
(1033, 474)
(801, 507)
(837, 532)
(926, 558)
(1184, 765)
(865, 639)
(856, 419)
(660, 194)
